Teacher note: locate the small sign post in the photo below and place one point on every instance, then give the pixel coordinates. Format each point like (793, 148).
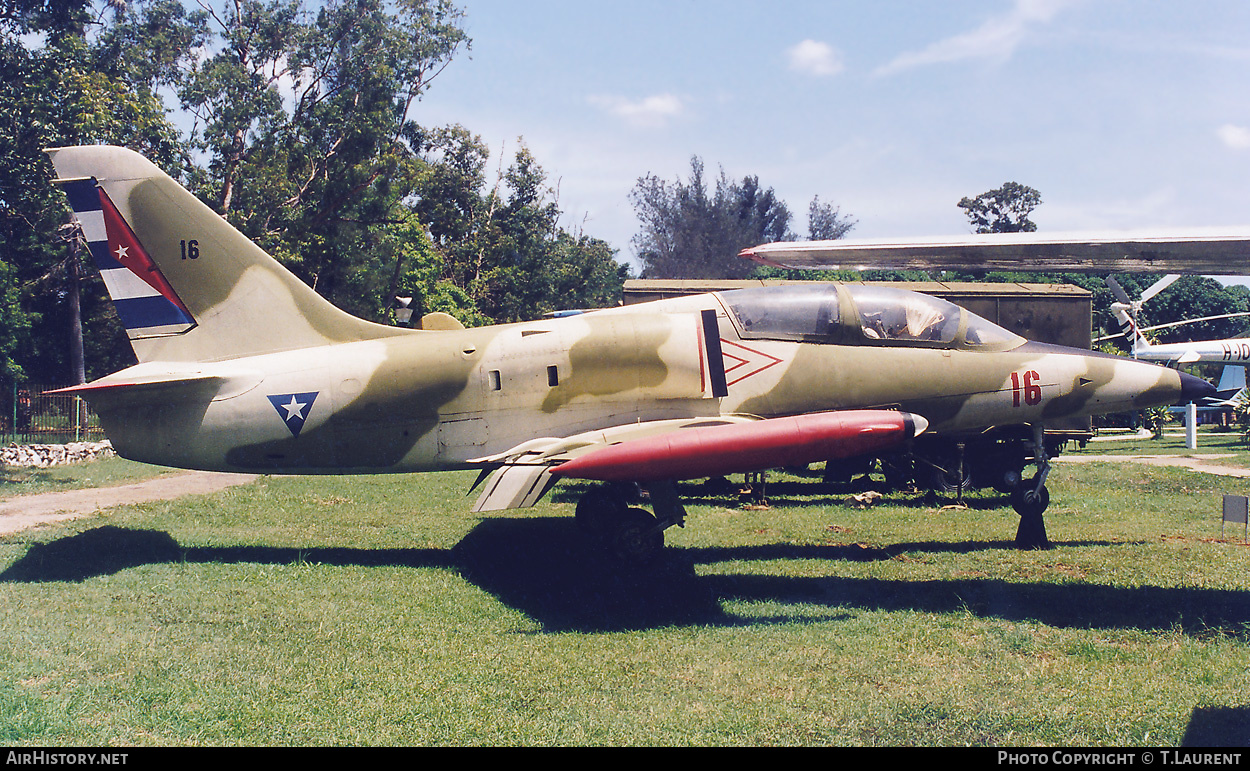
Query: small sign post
(1236, 509)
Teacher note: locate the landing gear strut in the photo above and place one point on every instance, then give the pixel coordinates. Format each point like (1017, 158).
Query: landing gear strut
(633, 535)
(1030, 498)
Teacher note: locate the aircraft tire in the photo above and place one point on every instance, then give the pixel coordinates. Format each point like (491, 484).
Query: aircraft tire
(635, 538)
(1027, 501)
(1030, 503)
(941, 481)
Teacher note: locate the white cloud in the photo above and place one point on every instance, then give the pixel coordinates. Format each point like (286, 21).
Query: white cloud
(650, 112)
(1236, 137)
(997, 38)
(815, 58)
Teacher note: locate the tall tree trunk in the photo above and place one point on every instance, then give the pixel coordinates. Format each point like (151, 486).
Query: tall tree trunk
(77, 366)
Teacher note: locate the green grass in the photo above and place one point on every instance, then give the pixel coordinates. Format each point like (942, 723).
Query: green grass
(378, 611)
(1210, 441)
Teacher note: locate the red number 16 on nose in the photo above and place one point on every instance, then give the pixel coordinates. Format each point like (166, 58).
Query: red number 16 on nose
(1032, 391)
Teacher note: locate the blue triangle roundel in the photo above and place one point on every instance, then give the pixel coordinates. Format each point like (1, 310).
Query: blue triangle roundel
(293, 409)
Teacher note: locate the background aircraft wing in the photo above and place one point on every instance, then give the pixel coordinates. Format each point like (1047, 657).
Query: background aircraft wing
(1207, 251)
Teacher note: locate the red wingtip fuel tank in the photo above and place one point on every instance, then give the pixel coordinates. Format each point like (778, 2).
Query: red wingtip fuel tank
(741, 447)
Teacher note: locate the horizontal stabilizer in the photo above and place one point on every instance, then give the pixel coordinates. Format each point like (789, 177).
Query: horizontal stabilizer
(105, 385)
(155, 383)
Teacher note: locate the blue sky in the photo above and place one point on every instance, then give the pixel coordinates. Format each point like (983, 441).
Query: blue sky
(1124, 114)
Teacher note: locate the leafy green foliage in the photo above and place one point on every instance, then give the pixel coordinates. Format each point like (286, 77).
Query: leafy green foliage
(1193, 297)
(691, 232)
(304, 118)
(1003, 210)
(65, 92)
(299, 129)
(825, 222)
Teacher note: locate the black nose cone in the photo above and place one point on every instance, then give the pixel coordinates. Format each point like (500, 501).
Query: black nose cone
(1194, 389)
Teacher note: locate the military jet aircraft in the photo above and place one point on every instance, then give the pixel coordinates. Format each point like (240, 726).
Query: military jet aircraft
(242, 367)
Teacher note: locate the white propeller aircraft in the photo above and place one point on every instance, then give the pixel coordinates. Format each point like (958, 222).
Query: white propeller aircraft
(1231, 351)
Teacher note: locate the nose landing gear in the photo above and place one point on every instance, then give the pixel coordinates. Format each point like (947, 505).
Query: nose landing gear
(1030, 498)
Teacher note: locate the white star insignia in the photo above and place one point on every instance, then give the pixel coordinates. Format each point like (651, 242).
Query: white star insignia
(121, 252)
(294, 409)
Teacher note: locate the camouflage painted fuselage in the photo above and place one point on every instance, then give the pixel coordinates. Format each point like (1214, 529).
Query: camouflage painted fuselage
(432, 400)
(244, 367)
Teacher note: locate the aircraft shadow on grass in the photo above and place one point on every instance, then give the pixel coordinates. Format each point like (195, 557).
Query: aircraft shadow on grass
(544, 568)
(1218, 727)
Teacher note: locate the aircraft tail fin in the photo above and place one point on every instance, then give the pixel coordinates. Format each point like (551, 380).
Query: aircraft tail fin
(187, 285)
(1138, 341)
(1232, 383)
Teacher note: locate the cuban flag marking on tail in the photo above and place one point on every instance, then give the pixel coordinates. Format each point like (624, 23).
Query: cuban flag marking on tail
(293, 409)
(145, 302)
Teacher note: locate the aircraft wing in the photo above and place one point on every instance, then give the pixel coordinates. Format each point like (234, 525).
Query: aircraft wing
(689, 448)
(1206, 251)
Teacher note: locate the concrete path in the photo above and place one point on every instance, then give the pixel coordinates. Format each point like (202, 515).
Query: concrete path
(1202, 463)
(30, 510)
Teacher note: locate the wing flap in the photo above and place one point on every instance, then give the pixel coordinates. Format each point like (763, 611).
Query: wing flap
(523, 474)
(514, 487)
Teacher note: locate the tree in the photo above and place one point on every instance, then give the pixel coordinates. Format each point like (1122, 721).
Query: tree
(689, 233)
(1194, 297)
(59, 87)
(301, 134)
(523, 263)
(305, 117)
(1004, 210)
(449, 196)
(825, 222)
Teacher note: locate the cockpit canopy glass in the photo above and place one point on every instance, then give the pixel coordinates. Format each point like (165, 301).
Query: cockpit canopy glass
(981, 333)
(898, 315)
(795, 312)
(875, 315)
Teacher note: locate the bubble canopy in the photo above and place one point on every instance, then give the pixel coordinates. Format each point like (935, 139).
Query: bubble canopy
(862, 314)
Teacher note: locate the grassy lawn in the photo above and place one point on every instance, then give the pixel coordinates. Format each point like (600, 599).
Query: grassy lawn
(1210, 441)
(377, 610)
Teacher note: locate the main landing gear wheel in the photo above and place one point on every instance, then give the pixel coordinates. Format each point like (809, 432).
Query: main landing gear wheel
(636, 537)
(598, 509)
(632, 535)
(1030, 500)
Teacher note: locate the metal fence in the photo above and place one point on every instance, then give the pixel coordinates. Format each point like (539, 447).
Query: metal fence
(28, 414)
